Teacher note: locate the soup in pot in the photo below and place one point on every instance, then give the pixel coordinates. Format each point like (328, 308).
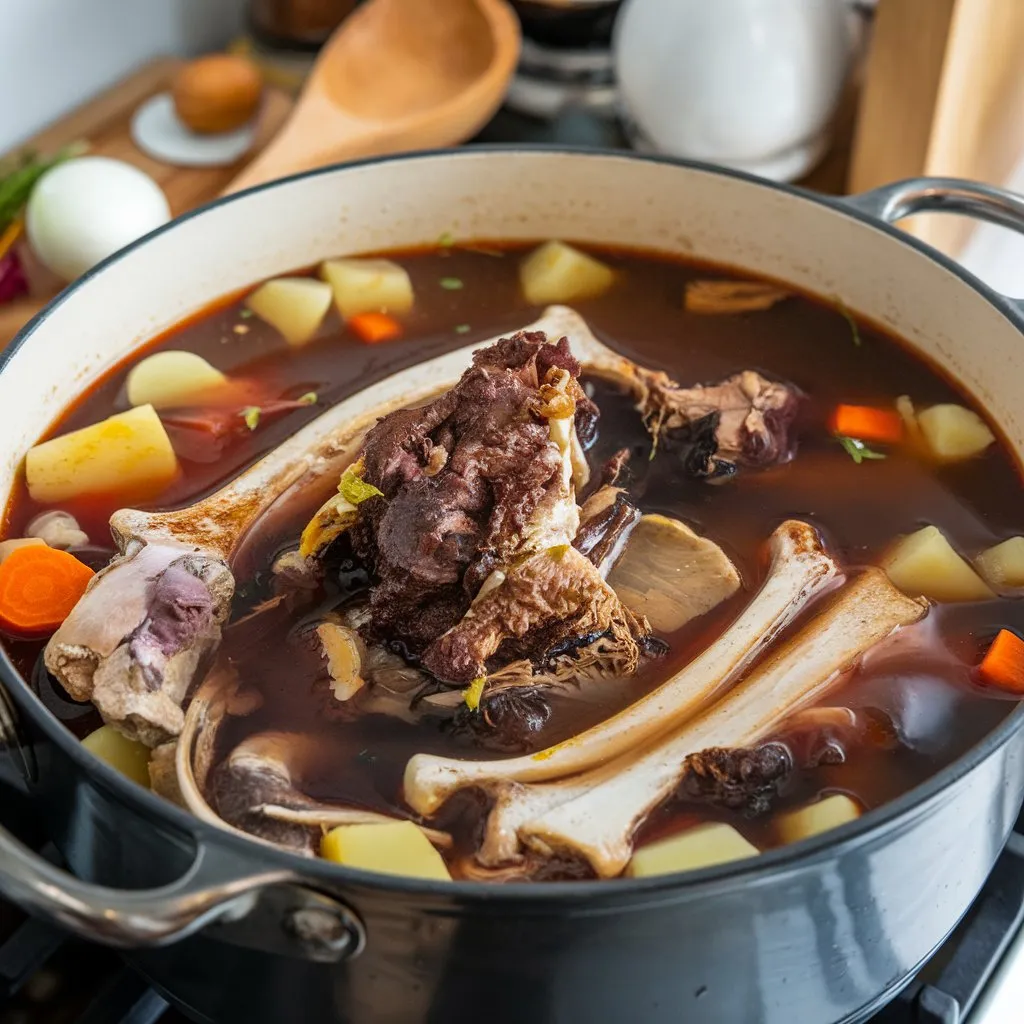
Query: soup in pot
(430, 574)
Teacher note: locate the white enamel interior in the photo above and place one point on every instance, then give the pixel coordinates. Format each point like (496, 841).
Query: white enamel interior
(486, 194)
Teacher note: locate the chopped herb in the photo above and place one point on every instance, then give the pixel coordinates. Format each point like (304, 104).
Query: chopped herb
(474, 692)
(240, 329)
(309, 398)
(365, 757)
(848, 317)
(462, 329)
(353, 488)
(446, 241)
(245, 313)
(558, 551)
(251, 415)
(451, 284)
(858, 450)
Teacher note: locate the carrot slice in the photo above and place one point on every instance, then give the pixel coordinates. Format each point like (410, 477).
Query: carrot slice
(867, 423)
(38, 588)
(374, 327)
(1003, 664)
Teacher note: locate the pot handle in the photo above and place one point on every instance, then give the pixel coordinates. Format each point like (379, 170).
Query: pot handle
(216, 889)
(893, 202)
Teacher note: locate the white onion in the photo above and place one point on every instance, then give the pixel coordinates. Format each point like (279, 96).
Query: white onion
(86, 209)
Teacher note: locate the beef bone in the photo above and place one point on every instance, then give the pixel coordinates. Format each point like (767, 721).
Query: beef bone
(800, 570)
(137, 639)
(595, 816)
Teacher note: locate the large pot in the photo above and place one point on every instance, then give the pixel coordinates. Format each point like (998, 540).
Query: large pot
(822, 932)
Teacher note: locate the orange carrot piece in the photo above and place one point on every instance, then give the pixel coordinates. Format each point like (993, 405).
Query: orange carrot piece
(1003, 664)
(38, 588)
(867, 423)
(374, 327)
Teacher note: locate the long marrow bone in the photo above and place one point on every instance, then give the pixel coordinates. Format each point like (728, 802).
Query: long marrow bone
(800, 570)
(97, 648)
(594, 815)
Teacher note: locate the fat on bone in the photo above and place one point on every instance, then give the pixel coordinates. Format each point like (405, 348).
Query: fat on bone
(90, 654)
(800, 570)
(602, 810)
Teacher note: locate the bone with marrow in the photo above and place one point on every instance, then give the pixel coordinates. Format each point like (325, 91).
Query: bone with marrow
(593, 816)
(800, 570)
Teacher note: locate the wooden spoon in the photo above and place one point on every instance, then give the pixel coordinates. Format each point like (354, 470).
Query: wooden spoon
(396, 75)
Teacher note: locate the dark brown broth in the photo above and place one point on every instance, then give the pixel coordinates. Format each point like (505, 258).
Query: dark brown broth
(929, 694)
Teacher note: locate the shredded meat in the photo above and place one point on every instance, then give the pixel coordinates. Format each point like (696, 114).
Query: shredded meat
(445, 521)
(752, 422)
(547, 600)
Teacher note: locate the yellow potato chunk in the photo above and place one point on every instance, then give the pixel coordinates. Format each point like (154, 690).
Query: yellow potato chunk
(296, 306)
(126, 453)
(953, 433)
(557, 272)
(925, 564)
(129, 757)
(169, 380)
(368, 286)
(8, 547)
(816, 818)
(1002, 565)
(392, 848)
(697, 847)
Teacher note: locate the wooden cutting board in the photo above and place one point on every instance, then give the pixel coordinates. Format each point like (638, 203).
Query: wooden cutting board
(105, 123)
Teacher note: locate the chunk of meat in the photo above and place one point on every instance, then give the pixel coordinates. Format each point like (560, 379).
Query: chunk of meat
(553, 597)
(739, 779)
(754, 416)
(501, 487)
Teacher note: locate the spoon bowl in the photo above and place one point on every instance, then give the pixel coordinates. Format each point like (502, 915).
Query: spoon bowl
(396, 75)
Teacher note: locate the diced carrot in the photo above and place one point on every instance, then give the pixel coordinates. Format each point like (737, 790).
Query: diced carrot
(374, 327)
(38, 588)
(1003, 664)
(867, 423)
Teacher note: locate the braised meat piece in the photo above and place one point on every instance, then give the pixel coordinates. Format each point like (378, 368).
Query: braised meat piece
(748, 417)
(469, 482)
(552, 598)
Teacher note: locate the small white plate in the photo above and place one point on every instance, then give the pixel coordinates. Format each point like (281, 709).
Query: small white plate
(158, 132)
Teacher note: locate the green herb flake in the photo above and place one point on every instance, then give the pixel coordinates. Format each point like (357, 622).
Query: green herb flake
(858, 450)
(451, 284)
(354, 489)
(462, 329)
(19, 176)
(245, 313)
(558, 552)
(848, 317)
(446, 241)
(474, 692)
(251, 415)
(309, 398)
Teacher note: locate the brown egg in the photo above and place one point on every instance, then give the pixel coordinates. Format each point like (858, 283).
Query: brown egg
(217, 93)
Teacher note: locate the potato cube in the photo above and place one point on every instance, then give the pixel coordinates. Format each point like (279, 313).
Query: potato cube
(392, 848)
(8, 547)
(557, 272)
(296, 306)
(368, 286)
(698, 847)
(126, 454)
(953, 433)
(129, 757)
(816, 818)
(924, 563)
(169, 380)
(1003, 564)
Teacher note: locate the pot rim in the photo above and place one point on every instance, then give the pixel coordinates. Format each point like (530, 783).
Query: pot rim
(756, 870)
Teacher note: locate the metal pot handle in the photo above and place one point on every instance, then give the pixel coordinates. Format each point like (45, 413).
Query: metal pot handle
(893, 202)
(218, 888)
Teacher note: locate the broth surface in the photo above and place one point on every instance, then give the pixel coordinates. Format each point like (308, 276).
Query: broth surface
(923, 693)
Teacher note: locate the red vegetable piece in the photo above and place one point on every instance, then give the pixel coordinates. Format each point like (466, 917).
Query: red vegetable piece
(1003, 664)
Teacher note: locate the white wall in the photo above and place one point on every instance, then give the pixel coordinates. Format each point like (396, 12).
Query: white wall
(55, 54)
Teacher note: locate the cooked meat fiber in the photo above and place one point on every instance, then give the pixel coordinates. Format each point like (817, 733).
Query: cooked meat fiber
(751, 422)
(471, 482)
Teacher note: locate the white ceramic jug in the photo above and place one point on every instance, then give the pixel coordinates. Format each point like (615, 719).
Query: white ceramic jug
(750, 84)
